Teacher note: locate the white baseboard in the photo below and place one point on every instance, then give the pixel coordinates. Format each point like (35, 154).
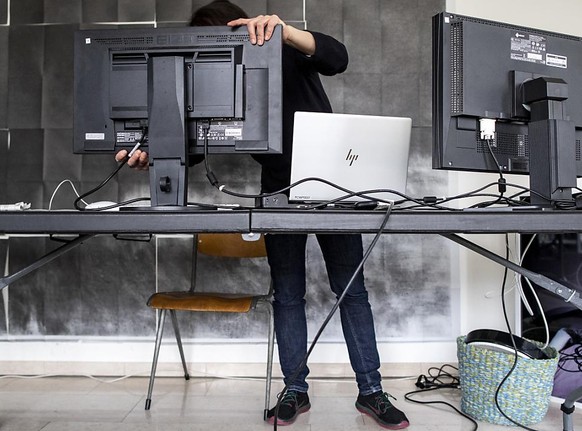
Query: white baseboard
(112, 357)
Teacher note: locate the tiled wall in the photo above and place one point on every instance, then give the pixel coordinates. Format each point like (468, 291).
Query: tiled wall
(101, 287)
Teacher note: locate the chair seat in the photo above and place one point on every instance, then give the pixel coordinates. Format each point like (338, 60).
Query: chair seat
(198, 301)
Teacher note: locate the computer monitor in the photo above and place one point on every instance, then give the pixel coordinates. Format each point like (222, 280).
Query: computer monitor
(508, 99)
(182, 92)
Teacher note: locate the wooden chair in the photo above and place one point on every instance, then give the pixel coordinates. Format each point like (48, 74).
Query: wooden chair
(221, 245)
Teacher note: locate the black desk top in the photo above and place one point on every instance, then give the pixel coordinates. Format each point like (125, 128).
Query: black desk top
(288, 220)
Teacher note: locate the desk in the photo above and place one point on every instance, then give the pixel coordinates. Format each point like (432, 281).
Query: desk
(270, 221)
(416, 222)
(446, 223)
(122, 222)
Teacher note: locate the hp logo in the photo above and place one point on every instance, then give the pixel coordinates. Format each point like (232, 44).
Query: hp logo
(351, 157)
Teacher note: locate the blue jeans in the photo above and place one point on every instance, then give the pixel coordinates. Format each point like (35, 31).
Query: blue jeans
(342, 254)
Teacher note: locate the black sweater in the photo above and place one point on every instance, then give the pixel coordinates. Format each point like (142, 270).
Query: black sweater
(302, 91)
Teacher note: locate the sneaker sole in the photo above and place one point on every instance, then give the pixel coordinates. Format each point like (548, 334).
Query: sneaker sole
(282, 422)
(399, 426)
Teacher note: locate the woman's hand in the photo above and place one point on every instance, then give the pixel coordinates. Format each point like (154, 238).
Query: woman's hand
(261, 29)
(139, 159)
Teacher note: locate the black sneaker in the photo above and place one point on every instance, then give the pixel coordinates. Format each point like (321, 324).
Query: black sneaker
(379, 408)
(292, 405)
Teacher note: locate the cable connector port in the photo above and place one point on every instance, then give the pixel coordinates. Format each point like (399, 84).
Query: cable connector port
(276, 201)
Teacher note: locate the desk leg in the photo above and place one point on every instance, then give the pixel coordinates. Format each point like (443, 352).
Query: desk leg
(568, 408)
(569, 295)
(5, 281)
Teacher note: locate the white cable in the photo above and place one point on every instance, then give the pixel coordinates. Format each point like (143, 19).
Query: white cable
(57, 188)
(534, 293)
(518, 278)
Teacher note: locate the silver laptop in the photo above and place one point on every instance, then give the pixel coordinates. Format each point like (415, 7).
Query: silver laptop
(356, 152)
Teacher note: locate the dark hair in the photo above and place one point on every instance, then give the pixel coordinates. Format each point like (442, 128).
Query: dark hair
(219, 12)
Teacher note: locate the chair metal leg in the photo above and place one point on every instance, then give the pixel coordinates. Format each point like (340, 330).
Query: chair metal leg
(179, 341)
(159, 333)
(270, 350)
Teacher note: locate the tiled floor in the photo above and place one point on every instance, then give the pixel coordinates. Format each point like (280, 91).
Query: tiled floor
(84, 404)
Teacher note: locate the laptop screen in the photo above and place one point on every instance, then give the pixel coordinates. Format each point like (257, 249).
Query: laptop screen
(356, 152)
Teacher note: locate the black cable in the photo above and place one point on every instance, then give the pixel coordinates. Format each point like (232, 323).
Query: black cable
(106, 180)
(568, 358)
(407, 397)
(209, 174)
(515, 351)
(420, 202)
(330, 314)
(441, 380)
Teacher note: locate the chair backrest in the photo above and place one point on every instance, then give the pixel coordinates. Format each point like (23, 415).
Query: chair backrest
(231, 245)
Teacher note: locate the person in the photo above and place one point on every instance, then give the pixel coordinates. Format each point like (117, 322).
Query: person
(306, 55)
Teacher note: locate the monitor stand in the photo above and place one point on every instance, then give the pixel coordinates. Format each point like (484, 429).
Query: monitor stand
(552, 140)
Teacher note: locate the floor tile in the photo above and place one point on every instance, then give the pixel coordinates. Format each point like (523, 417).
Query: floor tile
(201, 404)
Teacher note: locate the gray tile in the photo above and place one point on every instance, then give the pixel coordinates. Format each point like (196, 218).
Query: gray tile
(137, 10)
(335, 88)
(361, 93)
(26, 305)
(287, 10)
(363, 35)
(422, 180)
(3, 77)
(25, 76)
(173, 10)
(59, 162)
(174, 265)
(25, 155)
(254, 7)
(96, 167)
(326, 16)
(3, 11)
(109, 305)
(251, 7)
(62, 11)
(66, 312)
(57, 88)
(99, 11)
(26, 12)
(400, 96)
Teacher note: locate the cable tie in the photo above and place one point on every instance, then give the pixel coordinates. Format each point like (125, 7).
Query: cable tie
(134, 149)
(221, 188)
(502, 185)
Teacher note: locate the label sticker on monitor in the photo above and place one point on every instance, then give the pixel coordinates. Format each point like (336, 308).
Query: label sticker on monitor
(222, 131)
(528, 47)
(557, 61)
(95, 136)
(126, 137)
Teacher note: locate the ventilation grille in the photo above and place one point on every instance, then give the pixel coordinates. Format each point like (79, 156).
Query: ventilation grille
(172, 40)
(124, 41)
(223, 38)
(578, 150)
(537, 31)
(507, 144)
(456, 68)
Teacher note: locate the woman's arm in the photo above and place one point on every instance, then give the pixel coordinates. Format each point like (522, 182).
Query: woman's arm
(261, 29)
